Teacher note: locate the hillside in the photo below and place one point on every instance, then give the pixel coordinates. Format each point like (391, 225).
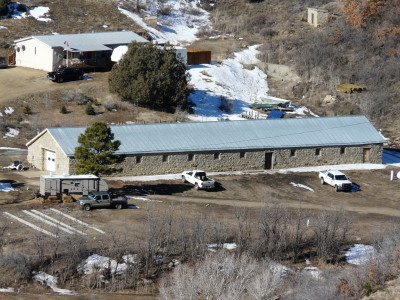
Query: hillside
(360, 46)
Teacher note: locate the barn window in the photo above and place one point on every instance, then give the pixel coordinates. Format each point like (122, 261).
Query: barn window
(342, 150)
(318, 151)
(138, 159)
(242, 154)
(190, 157)
(292, 152)
(165, 158)
(217, 155)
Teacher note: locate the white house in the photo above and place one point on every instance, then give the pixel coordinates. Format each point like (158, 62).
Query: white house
(47, 52)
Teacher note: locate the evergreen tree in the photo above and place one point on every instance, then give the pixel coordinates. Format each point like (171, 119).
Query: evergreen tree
(95, 154)
(4, 7)
(63, 110)
(150, 76)
(90, 110)
(27, 110)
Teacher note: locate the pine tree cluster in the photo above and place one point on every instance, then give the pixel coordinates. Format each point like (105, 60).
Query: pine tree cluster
(150, 76)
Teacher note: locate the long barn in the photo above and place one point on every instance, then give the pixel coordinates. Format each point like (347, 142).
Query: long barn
(221, 146)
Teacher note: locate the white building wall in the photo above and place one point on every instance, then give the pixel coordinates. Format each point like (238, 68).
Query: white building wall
(32, 53)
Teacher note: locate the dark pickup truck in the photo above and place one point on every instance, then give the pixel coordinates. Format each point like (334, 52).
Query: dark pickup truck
(102, 199)
(65, 74)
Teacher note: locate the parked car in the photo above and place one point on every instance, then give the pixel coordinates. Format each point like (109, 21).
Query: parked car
(336, 179)
(102, 199)
(199, 179)
(65, 74)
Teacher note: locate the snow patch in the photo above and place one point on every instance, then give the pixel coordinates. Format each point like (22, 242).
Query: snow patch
(302, 186)
(3, 27)
(179, 27)
(313, 271)
(39, 12)
(8, 110)
(229, 246)
(359, 254)
(302, 111)
(97, 263)
(51, 282)
(5, 187)
(7, 290)
(143, 199)
(230, 80)
(11, 132)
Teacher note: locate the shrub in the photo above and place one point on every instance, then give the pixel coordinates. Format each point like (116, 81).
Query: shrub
(63, 110)
(112, 105)
(90, 110)
(225, 105)
(150, 76)
(27, 110)
(78, 98)
(4, 7)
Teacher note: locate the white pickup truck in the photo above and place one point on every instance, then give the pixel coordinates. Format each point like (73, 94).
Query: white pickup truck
(198, 179)
(336, 179)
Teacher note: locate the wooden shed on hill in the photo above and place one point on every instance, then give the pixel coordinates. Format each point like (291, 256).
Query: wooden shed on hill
(318, 17)
(198, 56)
(231, 146)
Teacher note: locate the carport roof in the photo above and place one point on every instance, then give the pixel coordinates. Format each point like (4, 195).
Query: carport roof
(231, 135)
(83, 42)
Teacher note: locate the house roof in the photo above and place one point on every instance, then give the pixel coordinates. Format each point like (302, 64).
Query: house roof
(83, 42)
(231, 135)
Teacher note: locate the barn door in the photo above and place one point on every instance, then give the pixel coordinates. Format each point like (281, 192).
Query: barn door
(50, 158)
(268, 161)
(366, 154)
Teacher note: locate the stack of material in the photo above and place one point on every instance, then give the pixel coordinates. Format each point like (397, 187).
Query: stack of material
(51, 199)
(67, 199)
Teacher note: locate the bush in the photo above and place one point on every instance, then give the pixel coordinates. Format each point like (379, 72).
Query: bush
(116, 105)
(4, 7)
(225, 105)
(90, 110)
(27, 110)
(63, 110)
(78, 98)
(150, 76)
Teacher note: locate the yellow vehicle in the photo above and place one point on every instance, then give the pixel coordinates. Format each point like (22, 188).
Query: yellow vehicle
(350, 88)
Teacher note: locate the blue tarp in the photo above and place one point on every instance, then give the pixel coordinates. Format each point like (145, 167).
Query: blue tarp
(390, 156)
(275, 114)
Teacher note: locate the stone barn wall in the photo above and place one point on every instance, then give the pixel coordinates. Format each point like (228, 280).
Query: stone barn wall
(244, 160)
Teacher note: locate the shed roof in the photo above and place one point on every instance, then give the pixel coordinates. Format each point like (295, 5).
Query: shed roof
(231, 135)
(83, 42)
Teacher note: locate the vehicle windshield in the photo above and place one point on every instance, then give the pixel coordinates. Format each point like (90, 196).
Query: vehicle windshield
(91, 196)
(341, 177)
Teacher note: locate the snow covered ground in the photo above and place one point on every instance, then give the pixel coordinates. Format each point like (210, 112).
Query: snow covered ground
(178, 27)
(359, 253)
(5, 187)
(51, 282)
(38, 12)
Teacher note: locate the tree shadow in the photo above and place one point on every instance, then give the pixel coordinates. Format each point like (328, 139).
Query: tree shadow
(153, 189)
(208, 105)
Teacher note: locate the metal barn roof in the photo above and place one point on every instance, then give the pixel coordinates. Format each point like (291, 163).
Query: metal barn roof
(231, 135)
(96, 41)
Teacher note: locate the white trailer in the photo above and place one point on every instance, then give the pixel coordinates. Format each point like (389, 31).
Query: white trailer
(56, 185)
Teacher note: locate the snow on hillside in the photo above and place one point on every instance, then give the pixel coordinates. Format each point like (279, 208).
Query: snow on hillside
(233, 82)
(16, 11)
(178, 27)
(229, 80)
